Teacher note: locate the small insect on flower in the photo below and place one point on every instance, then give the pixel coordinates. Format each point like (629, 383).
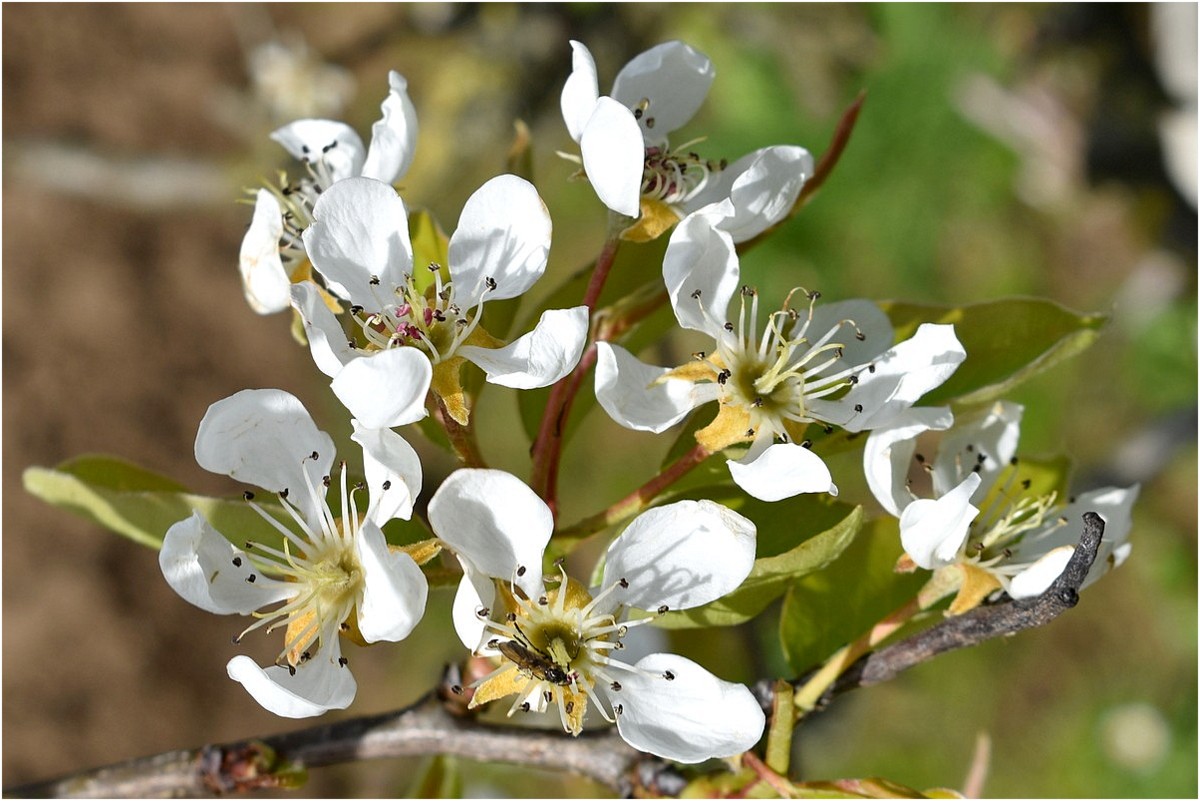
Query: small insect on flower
(536, 663)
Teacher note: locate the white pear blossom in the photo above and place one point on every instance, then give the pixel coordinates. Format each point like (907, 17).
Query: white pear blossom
(963, 503)
(272, 254)
(832, 365)
(359, 239)
(334, 573)
(626, 155)
(558, 641)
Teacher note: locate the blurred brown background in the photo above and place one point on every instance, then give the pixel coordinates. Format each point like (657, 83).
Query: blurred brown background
(131, 130)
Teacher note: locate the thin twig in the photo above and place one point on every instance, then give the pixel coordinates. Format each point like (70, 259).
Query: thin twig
(422, 729)
(983, 623)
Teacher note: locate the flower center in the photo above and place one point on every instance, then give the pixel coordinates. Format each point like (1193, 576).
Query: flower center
(321, 561)
(429, 318)
(774, 378)
(676, 176)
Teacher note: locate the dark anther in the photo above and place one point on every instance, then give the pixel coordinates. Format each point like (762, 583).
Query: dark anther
(570, 707)
(1007, 553)
(623, 582)
(283, 493)
(749, 432)
(970, 448)
(489, 282)
(387, 485)
(248, 495)
(723, 376)
(858, 407)
(747, 290)
(343, 661)
(978, 468)
(304, 149)
(560, 561)
(981, 458)
(814, 295)
(356, 309)
(662, 610)
(456, 689)
(615, 686)
(237, 561)
(344, 627)
(314, 456)
(806, 443)
(668, 675)
(637, 113)
(525, 707)
(248, 545)
(521, 570)
(235, 639)
(329, 146)
(374, 280)
(542, 601)
(351, 344)
(860, 336)
(307, 655)
(757, 402)
(696, 294)
(483, 611)
(699, 355)
(250, 578)
(840, 351)
(493, 643)
(1069, 500)
(434, 267)
(619, 708)
(852, 380)
(649, 122)
(828, 429)
(729, 327)
(1013, 461)
(325, 480)
(291, 670)
(548, 696)
(920, 457)
(870, 368)
(511, 617)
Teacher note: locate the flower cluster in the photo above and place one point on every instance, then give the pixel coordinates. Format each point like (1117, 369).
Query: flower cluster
(392, 336)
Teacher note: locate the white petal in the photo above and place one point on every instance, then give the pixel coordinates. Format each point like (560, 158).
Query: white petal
(675, 79)
(693, 717)
(360, 230)
(495, 523)
(902, 376)
(636, 395)
(681, 555)
(614, 156)
(392, 470)
(889, 452)
(266, 437)
(470, 627)
(198, 563)
(581, 91)
(1037, 578)
(394, 588)
(781, 470)
(934, 531)
(394, 136)
(385, 389)
(503, 234)
(326, 340)
(264, 280)
(320, 684)
(315, 141)
(701, 271)
(992, 435)
(539, 358)
(762, 186)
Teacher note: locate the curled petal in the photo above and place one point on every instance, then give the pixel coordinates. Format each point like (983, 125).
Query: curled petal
(265, 437)
(539, 358)
(581, 91)
(762, 186)
(640, 396)
(324, 141)
(674, 77)
(264, 280)
(889, 453)
(774, 471)
(701, 270)
(326, 340)
(691, 717)
(934, 531)
(503, 234)
(474, 593)
(394, 588)
(385, 389)
(360, 232)
(613, 156)
(394, 136)
(1037, 578)
(209, 572)
(681, 555)
(319, 684)
(494, 523)
(392, 470)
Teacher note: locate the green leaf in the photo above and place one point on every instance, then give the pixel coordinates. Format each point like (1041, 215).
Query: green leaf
(141, 505)
(826, 609)
(1007, 342)
(770, 576)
